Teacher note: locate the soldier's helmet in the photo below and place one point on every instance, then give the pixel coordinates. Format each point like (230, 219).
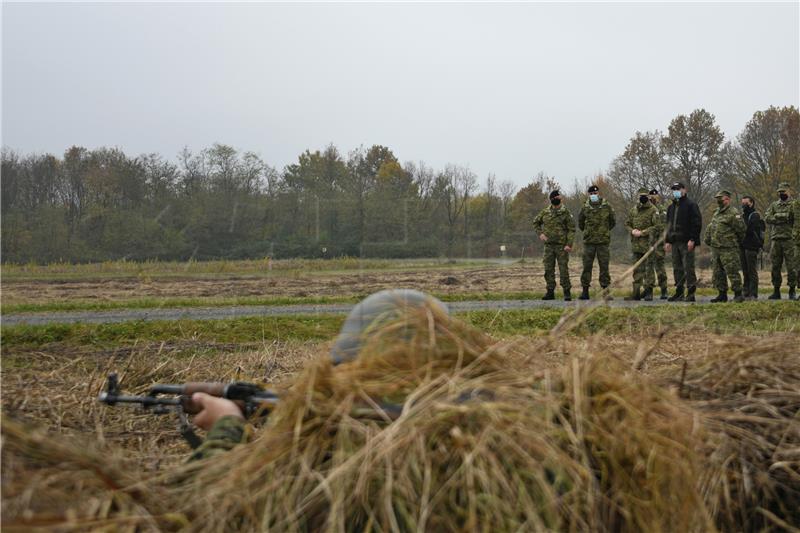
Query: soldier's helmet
(372, 312)
(783, 187)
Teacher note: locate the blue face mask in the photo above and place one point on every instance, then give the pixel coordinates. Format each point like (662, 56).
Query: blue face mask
(594, 198)
(676, 195)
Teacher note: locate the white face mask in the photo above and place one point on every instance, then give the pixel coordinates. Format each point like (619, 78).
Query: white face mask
(594, 198)
(676, 195)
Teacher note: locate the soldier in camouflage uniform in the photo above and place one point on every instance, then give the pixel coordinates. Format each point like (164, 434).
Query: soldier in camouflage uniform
(223, 419)
(796, 237)
(556, 228)
(780, 218)
(641, 223)
(657, 257)
(596, 220)
(724, 234)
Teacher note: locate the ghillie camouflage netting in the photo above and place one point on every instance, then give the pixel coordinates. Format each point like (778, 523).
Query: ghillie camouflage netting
(438, 427)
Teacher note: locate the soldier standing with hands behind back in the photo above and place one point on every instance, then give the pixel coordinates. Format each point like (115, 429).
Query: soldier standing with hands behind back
(781, 220)
(596, 220)
(641, 223)
(556, 228)
(724, 234)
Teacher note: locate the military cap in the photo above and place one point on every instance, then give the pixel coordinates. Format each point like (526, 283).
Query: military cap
(643, 190)
(723, 192)
(654, 191)
(373, 312)
(783, 187)
(677, 186)
(555, 193)
(593, 188)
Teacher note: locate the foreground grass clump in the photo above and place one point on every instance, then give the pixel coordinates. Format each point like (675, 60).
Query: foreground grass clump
(436, 426)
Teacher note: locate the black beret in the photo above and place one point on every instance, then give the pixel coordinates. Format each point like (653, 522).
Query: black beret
(593, 188)
(555, 193)
(654, 191)
(677, 186)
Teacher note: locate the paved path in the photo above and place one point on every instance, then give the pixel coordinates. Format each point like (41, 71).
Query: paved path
(218, 313)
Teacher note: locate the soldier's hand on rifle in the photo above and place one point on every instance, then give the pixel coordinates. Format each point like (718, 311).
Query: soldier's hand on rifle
(568, 248)
(212, 408)
(543, 237)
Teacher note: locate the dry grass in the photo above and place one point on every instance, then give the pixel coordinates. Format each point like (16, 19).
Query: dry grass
(554, 433)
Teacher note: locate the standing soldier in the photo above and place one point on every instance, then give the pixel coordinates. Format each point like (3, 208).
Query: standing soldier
(684, 223)
(796, 237)
(781, 219)
(724, 234)
(753, 242)
(657, 257)
(596, 221)
(641, 223)
(556, 228)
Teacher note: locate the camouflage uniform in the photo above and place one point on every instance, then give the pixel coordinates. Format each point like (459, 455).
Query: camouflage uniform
(796, 237)
(558, 225)
(227, 432)
(780, 218)
(643, 217)
(596, 222)
(657, 257)
(724, 234)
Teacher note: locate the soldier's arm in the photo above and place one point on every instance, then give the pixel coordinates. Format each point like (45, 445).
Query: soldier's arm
(629, 221)
(769, 215)
(226, 433)
(696, 224)
(582, 219)
(612, 217)
(739, 227)
(652, 225)
(570, 222)
(537, 222)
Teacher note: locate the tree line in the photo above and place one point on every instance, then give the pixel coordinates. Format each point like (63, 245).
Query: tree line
(94, 205)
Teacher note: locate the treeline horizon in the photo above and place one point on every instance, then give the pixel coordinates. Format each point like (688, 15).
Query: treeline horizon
(220, 203)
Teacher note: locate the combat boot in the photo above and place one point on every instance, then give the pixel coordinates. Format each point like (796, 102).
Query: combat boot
(690, 295)
(792, 294)
(721, 297)
(648, 294)
(635, 296)
(776, 294)
(678, 296)
(567, 295)
(737, 296)
(663, 293)
(549, 295)
(584, 294)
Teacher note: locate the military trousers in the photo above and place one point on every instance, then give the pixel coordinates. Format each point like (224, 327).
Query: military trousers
(727, 266)
(555, 253)
(749, 260)
(683, 266)
(601, 252)
(783, 252)
(657, 265)
(642, 274)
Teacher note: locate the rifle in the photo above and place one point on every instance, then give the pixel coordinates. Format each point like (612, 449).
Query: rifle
(251, 398)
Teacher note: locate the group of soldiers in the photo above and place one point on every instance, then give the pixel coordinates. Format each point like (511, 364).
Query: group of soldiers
(735, 239)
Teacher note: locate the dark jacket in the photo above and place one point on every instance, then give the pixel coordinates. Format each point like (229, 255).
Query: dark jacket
(754, 235)
(684, 222)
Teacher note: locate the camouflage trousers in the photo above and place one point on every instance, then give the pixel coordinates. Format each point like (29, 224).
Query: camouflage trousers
(555, 253)
(727, 266)
(683, 266)
(657, 265)
(783, 252)
(600, 251)
(749, 259)
(642, 274)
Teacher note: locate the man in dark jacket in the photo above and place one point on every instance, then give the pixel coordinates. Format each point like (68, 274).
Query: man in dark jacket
(684, 222)
(751, 245)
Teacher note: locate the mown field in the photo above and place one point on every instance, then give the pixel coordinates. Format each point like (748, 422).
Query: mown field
(51, 375)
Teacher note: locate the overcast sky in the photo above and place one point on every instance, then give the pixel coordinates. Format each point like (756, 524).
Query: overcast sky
(506, 88)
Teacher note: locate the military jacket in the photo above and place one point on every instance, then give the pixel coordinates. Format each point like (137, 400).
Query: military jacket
(226, 433)
(643, 217)
(557, 224)
(796, 227)
(596, 222)
(780, 218)
(726, 229)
